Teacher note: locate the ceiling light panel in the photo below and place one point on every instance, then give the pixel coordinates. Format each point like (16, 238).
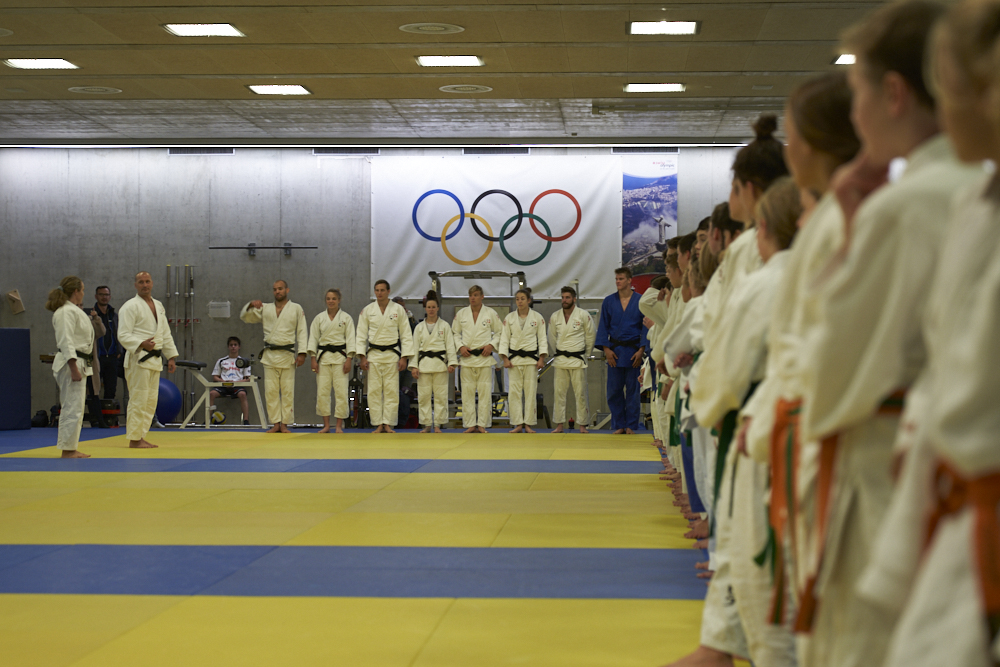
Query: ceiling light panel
(654, 88)
(280, 90)
(203, 30)
(39, 63)
(845, 59)
(449, 61)
(665, 27)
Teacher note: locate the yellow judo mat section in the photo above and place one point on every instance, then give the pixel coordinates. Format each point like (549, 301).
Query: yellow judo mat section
(356, 549)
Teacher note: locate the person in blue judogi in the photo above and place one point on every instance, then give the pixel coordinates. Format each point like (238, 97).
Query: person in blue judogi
(621, 334)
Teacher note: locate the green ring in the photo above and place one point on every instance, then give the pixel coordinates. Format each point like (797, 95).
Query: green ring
(548, 245)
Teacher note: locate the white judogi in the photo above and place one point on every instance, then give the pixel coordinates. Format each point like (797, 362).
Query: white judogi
(950, 416)
(136, 324)
(74, 333)
(869, 345)
(576, 334)
(433, 380)
(740, 259)
(331, 375)
(389, 328)
(527, 335)
(286, 328)
(476, 333)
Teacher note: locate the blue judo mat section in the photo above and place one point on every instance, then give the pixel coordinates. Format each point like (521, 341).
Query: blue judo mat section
(351, 571)
(327, 465)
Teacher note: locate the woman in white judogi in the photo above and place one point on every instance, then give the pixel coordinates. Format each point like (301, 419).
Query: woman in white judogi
(73, 362)
(572, 334)
(331, 346)
(435, 359)
(523, 348)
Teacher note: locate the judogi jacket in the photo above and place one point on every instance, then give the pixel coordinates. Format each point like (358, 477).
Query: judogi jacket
(576, 335)
(390, 329)
(288, 328)
(74, 334)
(136, 324)
(528, 337)
(437, 338)
(477, 334)
(326, 332)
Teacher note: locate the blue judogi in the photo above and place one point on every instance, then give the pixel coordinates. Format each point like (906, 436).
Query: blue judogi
(622, 331)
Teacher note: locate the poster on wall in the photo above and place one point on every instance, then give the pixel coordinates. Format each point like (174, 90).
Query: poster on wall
(649, 210)
(558, 219)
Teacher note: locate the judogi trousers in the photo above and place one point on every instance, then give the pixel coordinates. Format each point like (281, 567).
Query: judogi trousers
(477, 380)
(71, 399)
(623, 391)
(577, 377)
(383, 393)
(331, 377)
(523, 386)
(436, 385)
(279, 391)
(143, 392)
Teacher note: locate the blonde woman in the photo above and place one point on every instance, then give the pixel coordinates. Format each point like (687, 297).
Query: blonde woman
(523, 348)
(73, 362)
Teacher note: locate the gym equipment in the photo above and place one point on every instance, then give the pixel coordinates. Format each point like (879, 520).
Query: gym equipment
(194, 368)
(169, 401)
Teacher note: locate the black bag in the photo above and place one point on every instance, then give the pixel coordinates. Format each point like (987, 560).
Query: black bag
(40, 420)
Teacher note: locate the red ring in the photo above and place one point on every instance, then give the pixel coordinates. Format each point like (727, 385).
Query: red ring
(579, 216)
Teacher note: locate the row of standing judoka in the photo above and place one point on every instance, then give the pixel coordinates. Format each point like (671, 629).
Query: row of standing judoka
(839, 396)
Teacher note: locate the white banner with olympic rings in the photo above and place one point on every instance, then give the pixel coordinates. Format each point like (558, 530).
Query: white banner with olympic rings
(557, 219)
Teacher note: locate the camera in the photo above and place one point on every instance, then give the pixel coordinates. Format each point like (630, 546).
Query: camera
(243, 363)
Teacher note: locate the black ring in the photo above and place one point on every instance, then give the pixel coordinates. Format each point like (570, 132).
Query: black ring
(520, 215)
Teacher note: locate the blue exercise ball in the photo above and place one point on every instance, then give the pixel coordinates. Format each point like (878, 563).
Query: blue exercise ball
(168, 404)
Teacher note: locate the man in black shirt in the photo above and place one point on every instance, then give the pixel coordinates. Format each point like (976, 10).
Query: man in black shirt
(109, 351)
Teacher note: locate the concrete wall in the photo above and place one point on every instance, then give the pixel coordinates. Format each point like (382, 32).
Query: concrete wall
(104, 214)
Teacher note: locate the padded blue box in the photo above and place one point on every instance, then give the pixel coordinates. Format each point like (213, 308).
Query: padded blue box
(15, 380)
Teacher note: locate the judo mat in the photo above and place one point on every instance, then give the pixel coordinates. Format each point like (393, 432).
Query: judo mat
(243, 548)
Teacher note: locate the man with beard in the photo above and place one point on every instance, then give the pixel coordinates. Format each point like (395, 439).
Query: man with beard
(572, 336)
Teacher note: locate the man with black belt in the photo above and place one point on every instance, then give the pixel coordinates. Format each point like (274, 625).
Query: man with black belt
(383, 347)
(144, 334)
(620, 333)
(572, 337)
(284, 328)
(109, 350)
(477, 331)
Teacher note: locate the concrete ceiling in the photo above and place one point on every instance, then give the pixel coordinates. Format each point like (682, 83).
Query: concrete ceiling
(557, 70)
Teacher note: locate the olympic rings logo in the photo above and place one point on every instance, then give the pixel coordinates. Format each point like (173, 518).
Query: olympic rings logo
(503, 235)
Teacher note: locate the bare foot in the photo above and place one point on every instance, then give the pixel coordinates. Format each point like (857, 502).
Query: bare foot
(379, 429)
(629, 431)
(703, 565)
(437, 430)
(339, 430)
(559, 428)
(528, 429)
(705, 575)
(325, 429)
(657, 443)
(141, 444)
(620, 431)
(698, 531)
(471, 429)
(516, 429)
(704, 657)
(74, 454)
(426, 429)
(388, 429)
(691, 516)
(701, 544)
(274, 429)
(284, 429)
(583, 429)
(482, 429)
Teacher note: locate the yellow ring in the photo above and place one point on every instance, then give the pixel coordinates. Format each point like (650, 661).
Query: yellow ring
(444, 245)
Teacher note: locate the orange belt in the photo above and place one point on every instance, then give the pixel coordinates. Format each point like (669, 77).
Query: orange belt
(784, 462)
(955, 492)
(893, 406)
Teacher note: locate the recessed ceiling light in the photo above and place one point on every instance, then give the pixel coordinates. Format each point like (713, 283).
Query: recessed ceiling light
(280, 90)
(449, 61)
(665, 27)
(432, 28)
(95, 90)
(465, 88)
(845, 59)
(6, 33)
(203, 30)
(39, 63)
(654, 88)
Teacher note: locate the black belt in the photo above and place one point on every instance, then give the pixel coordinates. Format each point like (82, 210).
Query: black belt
(268, 346)
(333, 349)
(432, 354)
(151, 354)
(88, 357)
(563, 353)
(530, 354)
(477, 353)
(386, 348)
(627, 343)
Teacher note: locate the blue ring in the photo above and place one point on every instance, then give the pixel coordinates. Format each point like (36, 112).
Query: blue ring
(461, 212)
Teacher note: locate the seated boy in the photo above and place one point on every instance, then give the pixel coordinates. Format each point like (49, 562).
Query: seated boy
(226, 370)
